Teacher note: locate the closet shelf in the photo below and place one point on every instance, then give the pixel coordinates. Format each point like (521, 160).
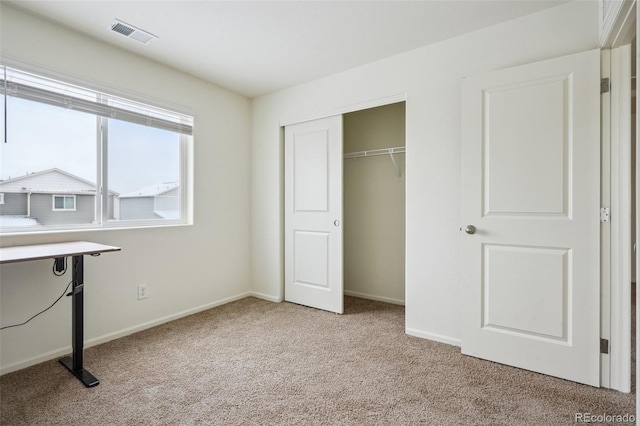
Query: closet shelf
(383, 151)
(371, 153)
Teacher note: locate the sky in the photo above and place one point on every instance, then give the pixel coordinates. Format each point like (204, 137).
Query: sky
(41, 137)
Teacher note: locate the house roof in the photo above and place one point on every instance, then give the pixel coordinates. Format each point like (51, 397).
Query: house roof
(152, 190)
(50, 181)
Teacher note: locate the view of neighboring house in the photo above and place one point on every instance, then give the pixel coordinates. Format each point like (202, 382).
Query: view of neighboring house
(56, 197)
(49, 197)
(151, 202)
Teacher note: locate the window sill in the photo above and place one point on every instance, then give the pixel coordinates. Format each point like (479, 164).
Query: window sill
(91, 228)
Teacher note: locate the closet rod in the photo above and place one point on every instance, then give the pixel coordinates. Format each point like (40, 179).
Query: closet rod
(371, 153)
(383, 151)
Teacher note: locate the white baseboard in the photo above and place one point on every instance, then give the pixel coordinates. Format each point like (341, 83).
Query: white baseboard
(121, 333)
(266, 297)
(374, 297)
(433, 336)
(56, 353)
(131, 330)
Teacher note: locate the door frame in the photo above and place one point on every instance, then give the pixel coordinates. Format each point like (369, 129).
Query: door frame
(620, 225)
(616, 234)
(617, 31)
(372, 103)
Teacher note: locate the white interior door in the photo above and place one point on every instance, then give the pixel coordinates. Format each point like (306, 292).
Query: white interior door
(531, 188)
(313, 214)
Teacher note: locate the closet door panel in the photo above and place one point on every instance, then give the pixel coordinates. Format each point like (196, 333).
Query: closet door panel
(313, 214)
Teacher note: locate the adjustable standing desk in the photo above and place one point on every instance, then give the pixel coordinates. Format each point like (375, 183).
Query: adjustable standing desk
(76, 250)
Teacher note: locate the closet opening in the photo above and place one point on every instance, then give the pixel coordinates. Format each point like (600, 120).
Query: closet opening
(374, 204)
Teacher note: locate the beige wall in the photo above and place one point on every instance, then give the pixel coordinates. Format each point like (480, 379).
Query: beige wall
(235, 246)
(187, 268)
(374, 205)
(429, 79)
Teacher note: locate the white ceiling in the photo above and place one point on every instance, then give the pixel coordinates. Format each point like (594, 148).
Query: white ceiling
(256, 47)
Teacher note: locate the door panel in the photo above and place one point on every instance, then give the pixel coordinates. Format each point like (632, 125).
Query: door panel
(530, 272)
(523, 138)
(311, 170)
(525, 291)
(313, 214)
(311, 251)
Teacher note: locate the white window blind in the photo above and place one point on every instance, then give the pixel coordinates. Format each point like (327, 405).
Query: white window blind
(27, 86)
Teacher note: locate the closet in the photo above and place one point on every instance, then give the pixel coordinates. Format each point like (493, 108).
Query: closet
(344, 208)
(374, 203)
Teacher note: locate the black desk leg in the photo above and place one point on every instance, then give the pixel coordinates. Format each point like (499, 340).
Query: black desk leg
(74, 362)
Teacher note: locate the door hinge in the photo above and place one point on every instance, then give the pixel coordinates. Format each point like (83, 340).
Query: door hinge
(605, 85)
(604, 346)
(604, 215)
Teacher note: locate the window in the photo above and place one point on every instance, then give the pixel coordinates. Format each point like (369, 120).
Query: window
(1, 198)
(103, 160)
(64, 202)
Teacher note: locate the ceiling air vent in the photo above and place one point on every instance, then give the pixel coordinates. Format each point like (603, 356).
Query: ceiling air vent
(132, 32)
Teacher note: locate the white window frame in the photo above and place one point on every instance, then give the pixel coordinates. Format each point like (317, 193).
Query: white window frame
(183, 126)
(1, 197)
(64, 202)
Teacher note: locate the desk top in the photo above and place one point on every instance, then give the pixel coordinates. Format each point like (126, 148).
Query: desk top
(52, 251)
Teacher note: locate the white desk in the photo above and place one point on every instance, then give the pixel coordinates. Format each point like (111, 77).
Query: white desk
(77, 250)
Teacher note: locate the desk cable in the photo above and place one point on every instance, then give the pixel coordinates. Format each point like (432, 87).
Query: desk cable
(58, 274)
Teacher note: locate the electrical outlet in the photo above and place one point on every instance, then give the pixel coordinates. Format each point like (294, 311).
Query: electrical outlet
(143, 291)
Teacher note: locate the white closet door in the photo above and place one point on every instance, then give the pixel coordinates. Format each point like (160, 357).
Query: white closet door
(531, 188)
(313, 214)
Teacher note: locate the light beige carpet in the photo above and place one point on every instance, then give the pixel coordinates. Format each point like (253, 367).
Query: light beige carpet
(253, 362)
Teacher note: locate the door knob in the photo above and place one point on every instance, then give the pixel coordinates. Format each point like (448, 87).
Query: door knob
(470, 229)
(336, 223)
